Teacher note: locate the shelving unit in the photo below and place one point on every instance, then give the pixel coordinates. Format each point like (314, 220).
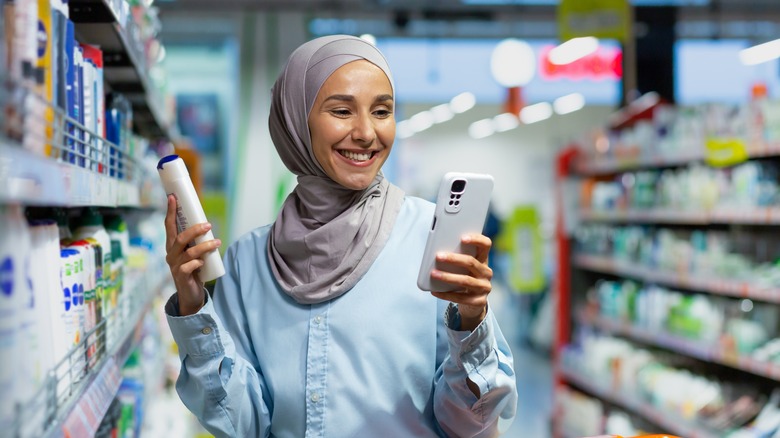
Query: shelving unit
(609, 166)
(687, 347)
(107, 23)
(35, 180)
(716, 286)
(758, 216)
(48, 159)
(576, 272)
(78, 410)
(668, 421)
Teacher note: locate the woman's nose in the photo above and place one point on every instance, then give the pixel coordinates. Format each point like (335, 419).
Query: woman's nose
(363, 130)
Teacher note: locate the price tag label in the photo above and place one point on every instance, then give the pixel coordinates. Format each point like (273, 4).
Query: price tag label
(724, 152)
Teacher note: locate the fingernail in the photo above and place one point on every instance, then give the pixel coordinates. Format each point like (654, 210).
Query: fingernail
(218, 242)
(465, 239)
(441, 256)
(207, 226)
(436, 274)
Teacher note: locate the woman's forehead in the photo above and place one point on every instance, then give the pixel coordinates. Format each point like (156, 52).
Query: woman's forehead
(357, 74)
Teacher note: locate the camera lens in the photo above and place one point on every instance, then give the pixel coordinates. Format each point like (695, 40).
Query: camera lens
(458, 185)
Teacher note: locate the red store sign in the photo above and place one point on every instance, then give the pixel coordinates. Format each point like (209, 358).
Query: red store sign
(603, 64)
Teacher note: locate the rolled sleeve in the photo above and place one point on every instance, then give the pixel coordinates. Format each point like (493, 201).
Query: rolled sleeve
(471, 350)
(196, 335)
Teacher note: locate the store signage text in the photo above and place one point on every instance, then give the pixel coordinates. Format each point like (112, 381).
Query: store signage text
(603, 64)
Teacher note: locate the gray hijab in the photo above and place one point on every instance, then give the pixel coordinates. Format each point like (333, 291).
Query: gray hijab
(326, 236)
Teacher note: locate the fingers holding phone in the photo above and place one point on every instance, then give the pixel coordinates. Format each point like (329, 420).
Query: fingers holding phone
(461, 209)
(472, 287)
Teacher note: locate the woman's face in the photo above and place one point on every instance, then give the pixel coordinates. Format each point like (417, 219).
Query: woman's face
(352, 124)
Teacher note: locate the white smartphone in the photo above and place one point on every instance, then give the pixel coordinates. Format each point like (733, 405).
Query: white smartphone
(461, 208)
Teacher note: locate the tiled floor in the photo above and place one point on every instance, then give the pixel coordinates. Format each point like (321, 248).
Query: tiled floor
(533, 369)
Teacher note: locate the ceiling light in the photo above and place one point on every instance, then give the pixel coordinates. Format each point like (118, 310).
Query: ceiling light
(462, 102)
(536, 113)
(481, 129)
(505, 122)
(569, 103)
(403, 129)
(421, 121)
(513, 63)
(574, 49)
(368, 37)
(760, 53)
(442, 113)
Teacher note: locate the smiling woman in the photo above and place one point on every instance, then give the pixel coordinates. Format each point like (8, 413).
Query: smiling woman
(318, 327)
(352, 124)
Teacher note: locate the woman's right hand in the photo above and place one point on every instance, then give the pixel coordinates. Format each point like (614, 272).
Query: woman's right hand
(185, 261)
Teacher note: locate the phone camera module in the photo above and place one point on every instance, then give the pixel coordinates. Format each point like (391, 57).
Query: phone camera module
(458, 186)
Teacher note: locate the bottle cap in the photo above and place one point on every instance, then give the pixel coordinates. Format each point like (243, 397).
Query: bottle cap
(172, 168)
(114, 223)
(90, 218)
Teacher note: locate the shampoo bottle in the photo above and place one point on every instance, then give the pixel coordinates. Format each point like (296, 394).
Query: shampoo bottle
(189, 212)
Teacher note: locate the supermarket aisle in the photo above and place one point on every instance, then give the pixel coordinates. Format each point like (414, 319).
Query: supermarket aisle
(534, 370)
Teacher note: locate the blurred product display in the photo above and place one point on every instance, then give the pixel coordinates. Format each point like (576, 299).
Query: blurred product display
(675, 275)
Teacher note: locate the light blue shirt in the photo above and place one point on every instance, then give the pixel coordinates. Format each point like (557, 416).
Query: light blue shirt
(382, 360)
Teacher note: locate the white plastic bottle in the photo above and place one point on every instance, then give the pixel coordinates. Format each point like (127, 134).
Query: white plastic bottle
(189, 212)
(91, 227)
(12, 301)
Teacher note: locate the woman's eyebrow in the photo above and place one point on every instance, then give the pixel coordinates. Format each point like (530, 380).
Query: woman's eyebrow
(383, 97)
(341, 97)
(350, 98)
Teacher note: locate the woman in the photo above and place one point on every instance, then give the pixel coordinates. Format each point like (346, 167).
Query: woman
(318, 327)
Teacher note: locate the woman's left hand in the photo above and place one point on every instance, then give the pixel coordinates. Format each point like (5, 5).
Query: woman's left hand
(474, 287)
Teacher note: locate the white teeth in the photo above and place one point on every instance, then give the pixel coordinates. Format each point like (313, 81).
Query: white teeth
(356, 157)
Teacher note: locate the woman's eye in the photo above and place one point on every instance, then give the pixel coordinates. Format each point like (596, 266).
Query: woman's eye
(383, 113)
(340, 112)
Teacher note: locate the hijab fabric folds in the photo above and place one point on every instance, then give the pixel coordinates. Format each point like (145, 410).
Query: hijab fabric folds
(326, 236)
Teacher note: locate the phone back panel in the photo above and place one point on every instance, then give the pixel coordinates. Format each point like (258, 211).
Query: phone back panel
(457, 213)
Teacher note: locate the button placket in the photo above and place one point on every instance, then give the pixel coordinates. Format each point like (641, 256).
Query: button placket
(316, 370)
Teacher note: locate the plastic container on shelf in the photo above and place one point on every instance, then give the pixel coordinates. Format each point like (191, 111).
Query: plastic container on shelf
(119, 126)
(14, 288)
(90, 226)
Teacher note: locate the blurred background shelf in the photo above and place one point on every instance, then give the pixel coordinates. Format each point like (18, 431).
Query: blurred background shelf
(716, 286)
(749, 216)
(668, 421)
(693, 348)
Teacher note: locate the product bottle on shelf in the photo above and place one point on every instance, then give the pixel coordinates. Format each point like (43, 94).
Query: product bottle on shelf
(14, 293)
(119, 126)
(44, 273)
(65, 319)
(90, 226)
(120, 245)
(91, 254)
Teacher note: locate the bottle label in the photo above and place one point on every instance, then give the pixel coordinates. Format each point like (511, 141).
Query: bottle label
(181, 220)
(7, 277)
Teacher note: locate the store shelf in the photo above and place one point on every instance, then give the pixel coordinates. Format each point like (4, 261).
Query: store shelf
(696, 349)
(108, 24)
(715, 286)
(608, 166)
(745, 216)
(669, 422)
(76, 408)
(30, 179)
(59, 162)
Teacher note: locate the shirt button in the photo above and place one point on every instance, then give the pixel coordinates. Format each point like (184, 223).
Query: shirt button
(206, 330)
(315, 397)
(317, 319)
